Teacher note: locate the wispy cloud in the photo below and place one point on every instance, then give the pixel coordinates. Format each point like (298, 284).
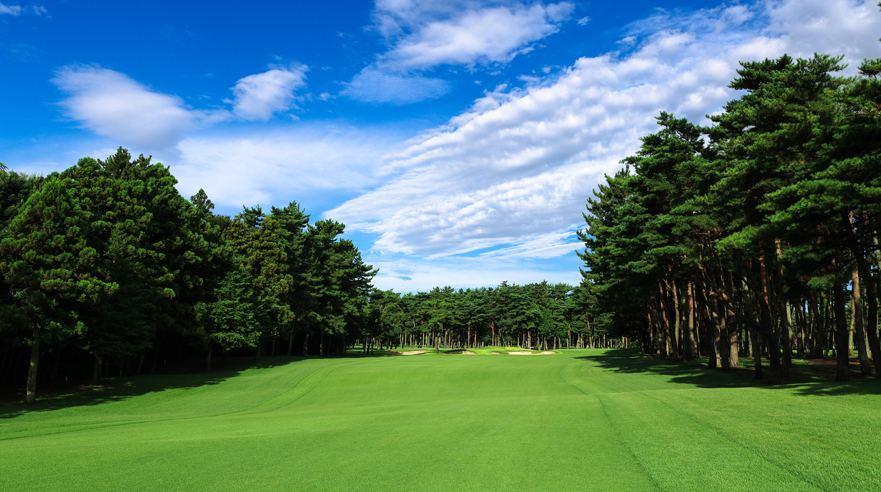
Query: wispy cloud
(18, 10)
(479, 36)
(425, 34)
(259, 167)
(375, 86)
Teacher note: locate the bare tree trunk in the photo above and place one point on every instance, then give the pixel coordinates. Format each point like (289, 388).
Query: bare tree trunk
(689, 301)
(96, 369)
(31, 388)
(667, 349)
(141, 362)
(841, 332)
(732, 325)
(872, 325)
(677, 335)
(860, 325)
(291, 342)
(765, 323)
(756, 352)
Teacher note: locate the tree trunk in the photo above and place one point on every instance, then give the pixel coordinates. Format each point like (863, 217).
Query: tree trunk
(291, 343)
(731, 323)
(714, 330)
(677, 335)
(665, 322)
(872, 325)
(767, 328)
(690, 353)
(841, 332)
(141, 362)
(756, 350)
(860, 325)
(96, 369)
(31, 388)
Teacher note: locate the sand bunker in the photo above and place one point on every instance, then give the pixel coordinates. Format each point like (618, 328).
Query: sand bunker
(546, 352)
(461, 352)
(412, 352)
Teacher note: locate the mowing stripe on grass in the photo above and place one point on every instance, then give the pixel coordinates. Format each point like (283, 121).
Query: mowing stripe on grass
(597, 420)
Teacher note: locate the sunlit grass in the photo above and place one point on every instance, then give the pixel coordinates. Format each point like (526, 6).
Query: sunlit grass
(575, 420)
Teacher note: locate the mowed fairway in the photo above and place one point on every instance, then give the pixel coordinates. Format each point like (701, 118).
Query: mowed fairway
(580, 420)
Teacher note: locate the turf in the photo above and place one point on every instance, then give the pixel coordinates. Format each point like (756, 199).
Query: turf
(576, 420)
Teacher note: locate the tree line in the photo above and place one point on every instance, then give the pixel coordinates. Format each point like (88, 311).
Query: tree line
(757, 235)
(106, 260)
(540, 316)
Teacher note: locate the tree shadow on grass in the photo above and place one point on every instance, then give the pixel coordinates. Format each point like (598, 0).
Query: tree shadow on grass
(805, 378)
(184, 374)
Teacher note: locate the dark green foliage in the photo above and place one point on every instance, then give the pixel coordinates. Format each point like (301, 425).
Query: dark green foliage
(714, 236)
(110, 259)
(236, 317)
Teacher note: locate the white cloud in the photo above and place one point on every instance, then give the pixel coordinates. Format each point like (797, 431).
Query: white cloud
(520, 164)
(583, 21)
(487, 35)
(259, 96)
(836, 27)
(113, 105)
(379, 87)
(548, 245)
(260, 168)
(424, 34)
(18, 10)
(10, 9)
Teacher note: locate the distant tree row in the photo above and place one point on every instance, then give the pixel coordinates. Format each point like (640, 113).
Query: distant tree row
(756, 236)
(540, 315)
(106, 260)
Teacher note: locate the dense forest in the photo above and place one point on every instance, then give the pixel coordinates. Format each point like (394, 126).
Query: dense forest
(541, 315)
(757, 235)
(105, 263)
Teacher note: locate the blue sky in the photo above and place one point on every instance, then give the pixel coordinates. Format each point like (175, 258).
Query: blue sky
(458, 140)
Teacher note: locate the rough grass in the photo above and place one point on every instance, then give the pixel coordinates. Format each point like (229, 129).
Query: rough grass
(578, 420)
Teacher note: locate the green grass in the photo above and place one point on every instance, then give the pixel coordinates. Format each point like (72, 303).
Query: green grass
(577, 420)
(489, 350)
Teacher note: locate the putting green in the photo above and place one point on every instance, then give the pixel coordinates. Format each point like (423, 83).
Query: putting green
(579, 420)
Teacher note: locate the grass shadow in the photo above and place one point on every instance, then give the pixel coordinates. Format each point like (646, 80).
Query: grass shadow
(804, 378)
(184, 374)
